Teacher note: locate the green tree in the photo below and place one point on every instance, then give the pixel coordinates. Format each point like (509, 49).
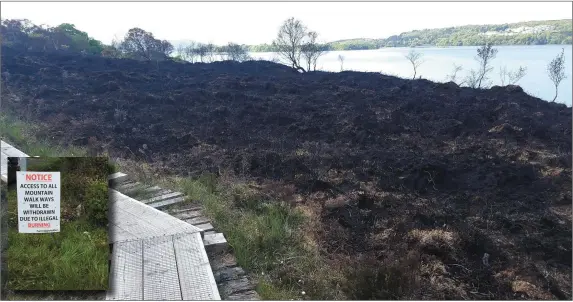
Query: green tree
(23, 33)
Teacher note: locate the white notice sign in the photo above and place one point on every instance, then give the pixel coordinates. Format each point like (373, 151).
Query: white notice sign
(38, 202)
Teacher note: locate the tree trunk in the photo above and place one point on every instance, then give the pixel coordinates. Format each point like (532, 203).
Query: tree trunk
(556, 91)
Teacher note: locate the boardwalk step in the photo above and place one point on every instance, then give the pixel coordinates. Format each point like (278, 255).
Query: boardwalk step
(187, 215)
(214, 243)
(205, 227)
(117, 178)
(198, 220)
(157, 194)
(162, 197)
(193, 208)
(168, 202)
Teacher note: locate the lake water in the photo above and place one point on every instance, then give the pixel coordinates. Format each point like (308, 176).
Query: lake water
(439, 62)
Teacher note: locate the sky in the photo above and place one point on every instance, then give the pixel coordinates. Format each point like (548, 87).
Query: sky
(258, 22)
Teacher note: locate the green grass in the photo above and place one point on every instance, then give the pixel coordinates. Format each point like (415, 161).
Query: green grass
(56, 295)
(76, 258)
(266, 237)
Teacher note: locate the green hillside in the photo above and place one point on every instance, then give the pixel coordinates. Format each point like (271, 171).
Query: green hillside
(522, 33)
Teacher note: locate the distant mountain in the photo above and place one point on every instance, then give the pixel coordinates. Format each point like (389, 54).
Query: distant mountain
(522, 33)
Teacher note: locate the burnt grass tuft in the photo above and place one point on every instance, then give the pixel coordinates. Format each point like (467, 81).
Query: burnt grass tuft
(417, 189)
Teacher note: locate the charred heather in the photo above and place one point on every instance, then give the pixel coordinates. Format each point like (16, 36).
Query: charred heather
(476, 182)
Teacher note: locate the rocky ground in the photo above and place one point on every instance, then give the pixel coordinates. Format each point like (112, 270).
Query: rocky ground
(471, 188)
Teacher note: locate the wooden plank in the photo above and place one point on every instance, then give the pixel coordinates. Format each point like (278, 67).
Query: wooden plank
(168, 202)
(126, 274)
(214, 243)
(186, 209)
(131, 219)
(195, 274)
(188, 215)
(157, 194)
(139, 224)
(162, 197)
(205, 227)
(160, 270)
(198, 220)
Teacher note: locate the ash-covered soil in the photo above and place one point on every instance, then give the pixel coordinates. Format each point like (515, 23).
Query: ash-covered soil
(473, 185)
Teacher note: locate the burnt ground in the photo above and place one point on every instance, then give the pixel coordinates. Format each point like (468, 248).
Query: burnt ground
(472, 188)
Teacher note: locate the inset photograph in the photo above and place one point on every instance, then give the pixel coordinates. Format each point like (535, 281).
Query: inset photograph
(56, 218)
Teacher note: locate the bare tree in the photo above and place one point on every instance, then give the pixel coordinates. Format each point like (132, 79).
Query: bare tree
(181, 52)
(210, 52)
(454, 76)
(341, 60)
(416, 59)
(311, 50)
(201, 51)
(289, 40)
(190, 52)
(556, 70)
(511, 77)
(486, 54)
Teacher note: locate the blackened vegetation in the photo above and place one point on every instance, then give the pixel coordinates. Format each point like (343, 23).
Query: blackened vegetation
(469, 189)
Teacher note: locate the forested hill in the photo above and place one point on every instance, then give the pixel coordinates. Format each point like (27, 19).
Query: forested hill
(522, 33)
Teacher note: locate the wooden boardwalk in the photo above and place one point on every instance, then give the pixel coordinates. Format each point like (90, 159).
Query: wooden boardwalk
(155, 256)
(232, 281)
